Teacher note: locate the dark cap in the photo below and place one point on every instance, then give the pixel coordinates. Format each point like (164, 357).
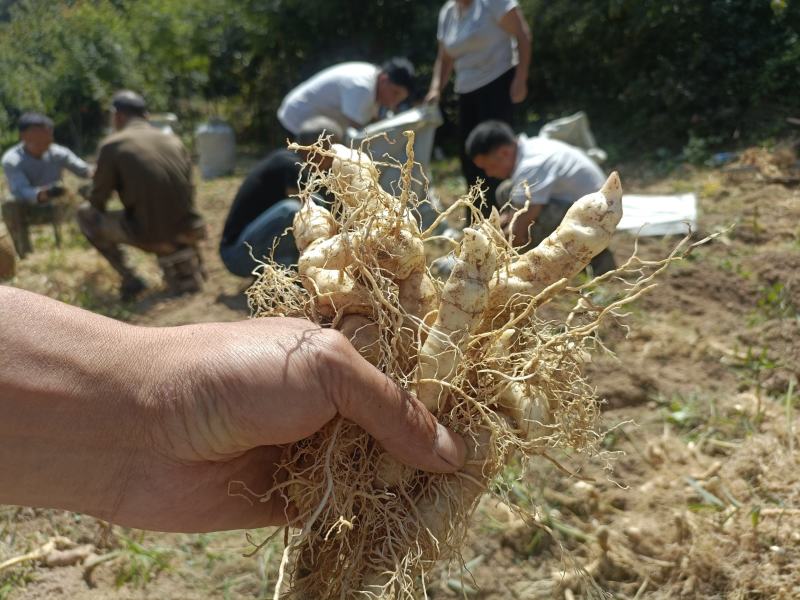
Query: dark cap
(34, 119)
(129, 102)
(400, 72)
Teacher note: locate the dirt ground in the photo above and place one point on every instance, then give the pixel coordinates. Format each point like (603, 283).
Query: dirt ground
(701, 399)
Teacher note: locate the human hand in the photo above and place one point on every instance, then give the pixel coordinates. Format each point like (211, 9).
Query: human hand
(147, 427)
(86, 190)
(47, 193)
(517, 231)
(250, 388)
(519, 89)
(433, 96)
(505, 220)
(222, 401)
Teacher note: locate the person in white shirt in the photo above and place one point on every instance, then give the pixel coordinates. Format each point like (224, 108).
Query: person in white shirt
(349, 93)
(488, 45)
(548, 174)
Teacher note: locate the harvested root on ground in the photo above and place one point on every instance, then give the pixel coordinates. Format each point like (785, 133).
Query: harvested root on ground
(474, 349)
(57, 552)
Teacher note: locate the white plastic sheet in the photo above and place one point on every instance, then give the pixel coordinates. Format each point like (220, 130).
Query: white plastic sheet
(652, 215)
(423, 120)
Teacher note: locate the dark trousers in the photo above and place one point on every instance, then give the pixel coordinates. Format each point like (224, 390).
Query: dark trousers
(108, 231)
(492, 101)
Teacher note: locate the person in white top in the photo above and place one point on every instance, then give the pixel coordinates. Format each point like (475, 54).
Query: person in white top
(488, 45)
(349, 93)
(548, 174)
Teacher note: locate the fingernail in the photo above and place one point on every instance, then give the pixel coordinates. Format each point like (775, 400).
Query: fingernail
(450, 447)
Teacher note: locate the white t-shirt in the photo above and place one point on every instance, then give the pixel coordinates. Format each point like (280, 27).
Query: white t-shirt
(480, 48)
(552, 169)
(343, 92)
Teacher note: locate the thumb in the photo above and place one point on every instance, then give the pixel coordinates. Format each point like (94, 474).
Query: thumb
(397, 420)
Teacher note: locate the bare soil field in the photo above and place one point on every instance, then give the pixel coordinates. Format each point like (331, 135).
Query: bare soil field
(702, 499)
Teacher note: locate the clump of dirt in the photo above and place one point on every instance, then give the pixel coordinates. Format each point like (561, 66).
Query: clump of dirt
(778, 163)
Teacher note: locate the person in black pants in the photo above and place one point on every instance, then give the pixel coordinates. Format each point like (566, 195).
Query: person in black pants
(262, 209)
(488, 102)
(488, 45)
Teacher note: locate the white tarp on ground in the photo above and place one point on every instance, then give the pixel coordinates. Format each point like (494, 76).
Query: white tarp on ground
(647, 215)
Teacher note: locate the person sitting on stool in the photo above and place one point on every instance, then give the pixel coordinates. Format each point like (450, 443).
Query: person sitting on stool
(262, 209)
(33, 168)
(151, 171)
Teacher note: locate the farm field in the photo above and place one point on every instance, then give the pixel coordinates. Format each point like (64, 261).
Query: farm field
(701, 400)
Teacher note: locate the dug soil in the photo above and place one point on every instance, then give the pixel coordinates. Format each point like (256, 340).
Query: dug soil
(695, 496)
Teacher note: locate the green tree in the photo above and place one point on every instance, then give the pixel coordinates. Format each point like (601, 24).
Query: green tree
(657, 71)
(65, 60)
(649, 72)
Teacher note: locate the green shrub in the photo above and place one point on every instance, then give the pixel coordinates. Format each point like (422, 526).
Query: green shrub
(673, 75)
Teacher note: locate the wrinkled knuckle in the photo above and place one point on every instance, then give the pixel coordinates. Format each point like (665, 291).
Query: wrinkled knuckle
(334, 348)
(335, 359)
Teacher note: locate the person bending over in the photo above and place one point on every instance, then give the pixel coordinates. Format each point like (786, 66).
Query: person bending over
(350, 94)
(262, 209)
(151, 171)
(551, 175)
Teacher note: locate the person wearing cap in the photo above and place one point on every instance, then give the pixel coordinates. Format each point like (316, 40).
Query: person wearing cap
(547, 174)
(33, 169)
(487, 43)
(262, 209)
(151, 171)
(351, 94)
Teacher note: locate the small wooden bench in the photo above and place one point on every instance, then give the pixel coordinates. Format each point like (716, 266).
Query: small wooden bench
(8, 258)
(19, 217)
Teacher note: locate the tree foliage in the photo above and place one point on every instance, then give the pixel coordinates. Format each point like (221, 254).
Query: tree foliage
(660, 70)
(650, 70)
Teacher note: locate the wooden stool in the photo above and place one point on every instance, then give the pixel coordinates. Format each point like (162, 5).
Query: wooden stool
(8, 259)
(19, 216)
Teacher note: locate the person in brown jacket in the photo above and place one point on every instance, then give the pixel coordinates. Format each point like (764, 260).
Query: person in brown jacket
(151, 171)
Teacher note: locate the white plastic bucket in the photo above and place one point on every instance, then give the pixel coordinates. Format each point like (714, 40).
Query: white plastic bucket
(216, 147)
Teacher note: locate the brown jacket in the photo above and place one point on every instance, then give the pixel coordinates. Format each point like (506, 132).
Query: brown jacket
(152, 173)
